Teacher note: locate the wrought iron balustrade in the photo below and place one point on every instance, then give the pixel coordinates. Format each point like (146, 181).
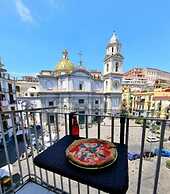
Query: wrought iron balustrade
(36, 129)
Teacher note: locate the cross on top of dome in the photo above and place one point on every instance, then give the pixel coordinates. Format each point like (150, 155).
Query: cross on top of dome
(65, 65)
(65, 54)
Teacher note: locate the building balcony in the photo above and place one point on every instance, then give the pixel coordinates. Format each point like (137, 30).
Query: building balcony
(33, 133)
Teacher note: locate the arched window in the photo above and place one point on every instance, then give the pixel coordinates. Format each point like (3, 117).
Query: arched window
(106, 84)
(17, 88)
(51, 119)
(115, 84)
(81, 86)
(116, 67)
(107, 67)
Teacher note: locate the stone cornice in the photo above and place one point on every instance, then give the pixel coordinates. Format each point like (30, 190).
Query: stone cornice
(70, 93)
(116, 56)
(113, 74)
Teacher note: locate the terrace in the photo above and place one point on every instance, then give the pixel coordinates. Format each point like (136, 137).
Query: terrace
(34, 131)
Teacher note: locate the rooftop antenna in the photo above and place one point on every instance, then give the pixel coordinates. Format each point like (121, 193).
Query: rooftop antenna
(80, 57)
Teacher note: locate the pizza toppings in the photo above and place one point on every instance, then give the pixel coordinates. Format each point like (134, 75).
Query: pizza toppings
(91, 152)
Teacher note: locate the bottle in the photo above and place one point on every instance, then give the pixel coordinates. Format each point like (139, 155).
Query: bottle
(75, 127)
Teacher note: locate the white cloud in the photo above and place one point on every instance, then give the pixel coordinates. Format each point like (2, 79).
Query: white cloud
(23, 11)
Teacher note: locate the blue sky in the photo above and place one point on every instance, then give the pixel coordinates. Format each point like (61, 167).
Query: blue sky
(34, 32)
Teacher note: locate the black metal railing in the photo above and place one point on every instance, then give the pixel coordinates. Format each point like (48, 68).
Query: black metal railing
(32, 132)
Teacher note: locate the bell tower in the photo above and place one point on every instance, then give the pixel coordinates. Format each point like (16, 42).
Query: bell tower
(113, 74)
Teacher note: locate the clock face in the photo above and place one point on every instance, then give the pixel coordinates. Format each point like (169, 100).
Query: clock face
(49, 84)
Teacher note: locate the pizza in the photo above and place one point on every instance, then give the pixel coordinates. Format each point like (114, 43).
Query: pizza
(91, 153)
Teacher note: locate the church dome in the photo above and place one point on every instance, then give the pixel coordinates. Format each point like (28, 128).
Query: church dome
(65, 65)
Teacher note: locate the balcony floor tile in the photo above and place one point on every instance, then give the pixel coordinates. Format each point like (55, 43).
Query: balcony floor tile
(31, 187)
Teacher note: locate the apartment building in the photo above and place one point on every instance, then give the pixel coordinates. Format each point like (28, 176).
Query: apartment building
(7, 100)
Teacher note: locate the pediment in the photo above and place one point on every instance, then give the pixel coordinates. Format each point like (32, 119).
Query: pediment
(118, 55)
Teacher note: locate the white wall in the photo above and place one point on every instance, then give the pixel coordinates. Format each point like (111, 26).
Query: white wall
(46, 83)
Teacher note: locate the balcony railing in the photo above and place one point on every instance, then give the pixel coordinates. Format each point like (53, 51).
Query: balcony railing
(33, 133)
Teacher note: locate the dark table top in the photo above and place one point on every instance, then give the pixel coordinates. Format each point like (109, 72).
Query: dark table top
(113, 179)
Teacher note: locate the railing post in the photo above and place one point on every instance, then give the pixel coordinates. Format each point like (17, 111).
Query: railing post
(98, 127)
(32, 149)
(16, 146)
(141, 156)
(70, 122)
(65, 119)
(127, 131)
(122, 129)
(163, 126)
(56, 126)
(112, 130)
(86, 126)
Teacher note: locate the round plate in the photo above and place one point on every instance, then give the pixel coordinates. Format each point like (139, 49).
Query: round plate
(93, 168)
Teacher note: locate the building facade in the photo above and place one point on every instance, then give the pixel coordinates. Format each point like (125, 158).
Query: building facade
(7, 100)
(27, 90)
(143, 78)
(153, 74)
(72, 87)
(146, 91)
(155, 103)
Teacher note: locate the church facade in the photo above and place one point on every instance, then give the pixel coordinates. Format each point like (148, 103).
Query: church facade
(73, 88)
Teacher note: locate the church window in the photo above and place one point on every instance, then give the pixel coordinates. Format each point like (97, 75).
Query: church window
(107, 67)
(51, 118)
(12, 108)
(51, 103)
(115, 102)
(81, 101)
(112, 50)
(80, 86)
(106, 84)
(17, 88)
(96, 102)
(116, 67)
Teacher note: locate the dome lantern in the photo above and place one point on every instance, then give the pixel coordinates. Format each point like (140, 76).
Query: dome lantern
(65, 54)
